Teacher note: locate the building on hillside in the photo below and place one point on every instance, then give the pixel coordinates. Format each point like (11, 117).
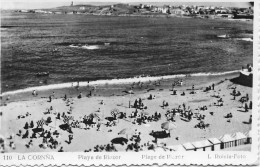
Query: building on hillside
(39, 11)
(82, 8)
(24, 11)
(178, 12)
(161, 9)
(57, 12)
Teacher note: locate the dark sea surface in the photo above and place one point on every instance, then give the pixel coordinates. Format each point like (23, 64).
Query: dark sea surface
(116, 47)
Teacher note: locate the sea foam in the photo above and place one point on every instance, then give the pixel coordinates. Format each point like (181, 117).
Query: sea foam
(89, 47)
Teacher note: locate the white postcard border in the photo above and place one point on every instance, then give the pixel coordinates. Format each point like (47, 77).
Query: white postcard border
(160, 158)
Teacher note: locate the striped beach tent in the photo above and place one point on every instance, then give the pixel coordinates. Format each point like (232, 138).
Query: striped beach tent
(160, 149)
(240, 138)
(227, 141)
(249, 137)
(216, 144)
(188, 147)
(203, 145)
(40, 123)
(66, 119)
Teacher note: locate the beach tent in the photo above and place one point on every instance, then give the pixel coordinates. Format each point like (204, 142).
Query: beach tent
(176, 148)
(226, 141)
(249, 137)
(240, 138)
(188, 147)
(203, 145)
(160, 149)
(216, 144)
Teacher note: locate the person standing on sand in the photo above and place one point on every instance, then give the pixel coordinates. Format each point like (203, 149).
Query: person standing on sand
(247, 97)
(58, 116)
(246, 107)
(250, 105)
(26, 126)
(70, 138)
(168, 132)
(34, 93)
(80, 95)
(213, 86)
(250, 120)
(61, 149)
(32, 124)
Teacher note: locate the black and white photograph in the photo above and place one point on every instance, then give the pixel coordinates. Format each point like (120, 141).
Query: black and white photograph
(126, 76)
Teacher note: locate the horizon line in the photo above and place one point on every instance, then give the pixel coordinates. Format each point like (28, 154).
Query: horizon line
(39, 4)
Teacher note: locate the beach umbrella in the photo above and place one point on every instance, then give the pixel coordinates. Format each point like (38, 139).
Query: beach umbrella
(119, 140)
(122, 132)
(126, 131)
(168, 125)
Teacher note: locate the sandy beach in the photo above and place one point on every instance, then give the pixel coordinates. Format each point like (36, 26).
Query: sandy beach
(107, 98)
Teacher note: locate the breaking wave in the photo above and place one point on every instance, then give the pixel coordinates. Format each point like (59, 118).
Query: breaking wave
(115, 81)
(89, 47)
(245, 39)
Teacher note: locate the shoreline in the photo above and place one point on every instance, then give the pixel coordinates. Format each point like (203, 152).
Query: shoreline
(116, 85)
(114, 81)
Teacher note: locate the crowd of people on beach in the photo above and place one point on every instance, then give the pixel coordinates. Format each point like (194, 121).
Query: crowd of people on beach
(50, 136)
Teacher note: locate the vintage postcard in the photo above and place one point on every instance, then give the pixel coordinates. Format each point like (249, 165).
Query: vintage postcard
(128, 82)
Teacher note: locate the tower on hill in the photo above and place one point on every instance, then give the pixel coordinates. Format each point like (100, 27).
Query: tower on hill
(71, 3)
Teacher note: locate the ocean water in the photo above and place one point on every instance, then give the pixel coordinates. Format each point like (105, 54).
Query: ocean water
(91, 48)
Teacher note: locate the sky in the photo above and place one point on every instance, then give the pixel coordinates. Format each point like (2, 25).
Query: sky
(40, 4)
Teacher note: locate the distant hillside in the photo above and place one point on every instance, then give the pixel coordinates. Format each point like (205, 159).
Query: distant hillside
(148, 10)
(116, 9)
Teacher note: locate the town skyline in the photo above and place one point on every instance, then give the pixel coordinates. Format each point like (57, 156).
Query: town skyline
(39, 4)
